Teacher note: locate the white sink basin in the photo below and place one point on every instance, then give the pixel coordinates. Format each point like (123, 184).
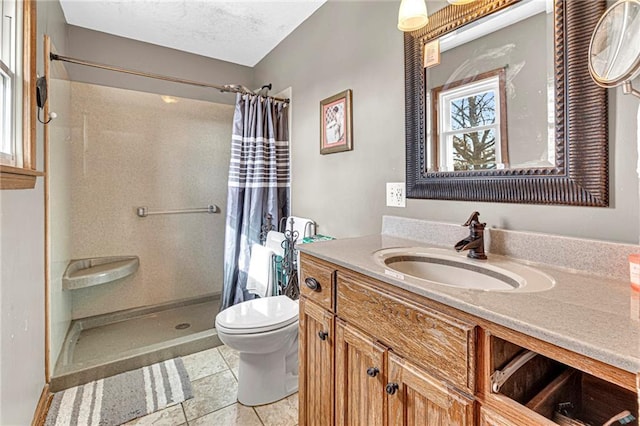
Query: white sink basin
(444, 267)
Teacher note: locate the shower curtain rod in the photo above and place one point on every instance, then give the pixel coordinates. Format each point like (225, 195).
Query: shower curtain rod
(230, 88)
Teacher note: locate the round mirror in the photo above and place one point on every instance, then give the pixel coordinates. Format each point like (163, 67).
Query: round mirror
(614, 52)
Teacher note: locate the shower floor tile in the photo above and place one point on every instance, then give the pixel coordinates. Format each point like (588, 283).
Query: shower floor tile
(143, 331)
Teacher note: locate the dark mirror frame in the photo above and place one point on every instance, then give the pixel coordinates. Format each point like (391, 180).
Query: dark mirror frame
(580, 176)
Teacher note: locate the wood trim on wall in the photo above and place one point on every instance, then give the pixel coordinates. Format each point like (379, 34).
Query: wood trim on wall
(47, 225)
(40, 415)
(17, 178)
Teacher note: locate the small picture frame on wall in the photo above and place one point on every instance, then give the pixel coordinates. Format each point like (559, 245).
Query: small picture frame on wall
(335, 123)
(432, 53)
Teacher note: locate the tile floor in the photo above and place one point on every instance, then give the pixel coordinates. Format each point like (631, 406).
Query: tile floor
(214, 375)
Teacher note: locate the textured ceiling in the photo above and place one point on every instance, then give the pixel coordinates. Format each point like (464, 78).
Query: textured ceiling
(242, 32)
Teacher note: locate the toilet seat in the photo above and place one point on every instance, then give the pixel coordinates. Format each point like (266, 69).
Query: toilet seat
(258, 315)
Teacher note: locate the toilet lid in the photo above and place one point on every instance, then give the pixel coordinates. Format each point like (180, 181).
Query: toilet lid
(258, 315)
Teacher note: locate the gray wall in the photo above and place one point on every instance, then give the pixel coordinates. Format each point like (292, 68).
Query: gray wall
(121, 52)
(356, 45)
(22, 271)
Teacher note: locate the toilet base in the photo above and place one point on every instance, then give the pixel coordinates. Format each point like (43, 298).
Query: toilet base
(258, 385)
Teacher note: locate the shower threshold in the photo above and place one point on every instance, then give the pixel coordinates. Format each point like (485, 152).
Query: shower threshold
(104, 345)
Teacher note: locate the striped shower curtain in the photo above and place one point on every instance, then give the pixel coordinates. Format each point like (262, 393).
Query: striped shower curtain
(258, 185)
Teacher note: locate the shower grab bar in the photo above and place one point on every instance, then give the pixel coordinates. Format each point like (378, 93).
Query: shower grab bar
(144, 211)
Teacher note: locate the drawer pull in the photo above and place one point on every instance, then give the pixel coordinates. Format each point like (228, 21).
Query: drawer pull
(323, 335)
(372, 371)
(312, 283)
(391, 388)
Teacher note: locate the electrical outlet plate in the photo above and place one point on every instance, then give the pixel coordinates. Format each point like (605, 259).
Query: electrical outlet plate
(396, 194)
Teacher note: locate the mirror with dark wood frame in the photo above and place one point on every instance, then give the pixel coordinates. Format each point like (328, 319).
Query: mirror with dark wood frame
(573, 172)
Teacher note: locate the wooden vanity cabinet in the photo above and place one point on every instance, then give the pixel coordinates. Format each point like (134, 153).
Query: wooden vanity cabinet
(374, 354)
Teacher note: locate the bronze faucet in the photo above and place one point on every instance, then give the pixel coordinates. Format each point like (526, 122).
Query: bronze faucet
(475, 241)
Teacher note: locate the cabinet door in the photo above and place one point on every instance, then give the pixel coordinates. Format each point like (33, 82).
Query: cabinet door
(316, 338)
(360, 378)
(416, 398)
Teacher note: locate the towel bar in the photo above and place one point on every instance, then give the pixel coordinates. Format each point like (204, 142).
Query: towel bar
(144, 211)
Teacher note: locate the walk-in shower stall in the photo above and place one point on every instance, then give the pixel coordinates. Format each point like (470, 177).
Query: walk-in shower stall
(137, 187)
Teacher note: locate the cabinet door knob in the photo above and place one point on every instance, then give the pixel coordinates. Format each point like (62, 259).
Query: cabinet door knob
(391, 388)
(312, 283)
(372, 371)
(323, 335)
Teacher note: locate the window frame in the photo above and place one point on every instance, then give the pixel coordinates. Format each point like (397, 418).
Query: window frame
(447, 132)
(22, 174)
(456, 90)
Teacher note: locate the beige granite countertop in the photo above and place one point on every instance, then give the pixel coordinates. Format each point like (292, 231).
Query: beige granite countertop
(585, 313)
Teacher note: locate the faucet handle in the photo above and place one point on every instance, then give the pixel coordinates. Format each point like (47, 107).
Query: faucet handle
(473, 218)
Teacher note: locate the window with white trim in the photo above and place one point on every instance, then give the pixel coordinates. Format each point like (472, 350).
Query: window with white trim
(471, 124)
(17, 94)
(10, 90)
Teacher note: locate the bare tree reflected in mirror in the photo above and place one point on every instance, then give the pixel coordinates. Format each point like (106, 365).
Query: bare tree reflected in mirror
(474, 150)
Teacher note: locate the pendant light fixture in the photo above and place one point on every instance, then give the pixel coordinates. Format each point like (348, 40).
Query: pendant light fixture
(412, 15)
(458, 2)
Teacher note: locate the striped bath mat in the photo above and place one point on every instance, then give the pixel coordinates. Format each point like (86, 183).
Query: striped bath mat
(118, 399)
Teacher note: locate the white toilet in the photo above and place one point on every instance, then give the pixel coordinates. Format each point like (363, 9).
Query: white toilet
(265, 333)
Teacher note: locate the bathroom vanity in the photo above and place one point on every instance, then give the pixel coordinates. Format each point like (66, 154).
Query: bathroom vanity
(379, 348)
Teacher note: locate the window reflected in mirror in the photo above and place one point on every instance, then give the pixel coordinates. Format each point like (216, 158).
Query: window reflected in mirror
(469, 119)
(495, 82)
